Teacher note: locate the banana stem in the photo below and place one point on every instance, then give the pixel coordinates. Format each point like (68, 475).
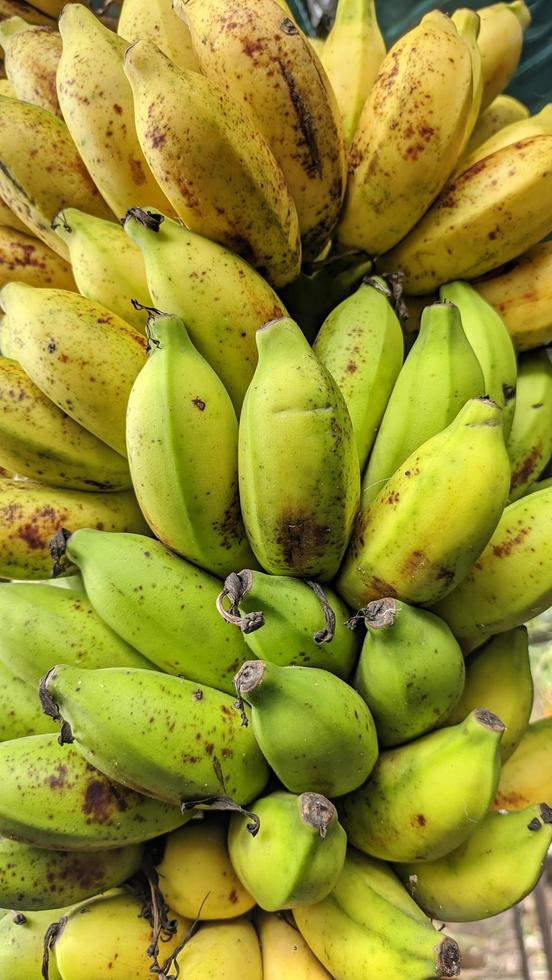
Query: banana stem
(236, 587)
(50, 936)
(327, 634)
(57, 546)
(225, 803)
(51, 708)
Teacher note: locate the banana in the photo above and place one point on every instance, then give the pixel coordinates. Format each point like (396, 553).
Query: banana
(53, 799)
(499, 676)
(18, 8)
(22, 944)
(530, 442)
(315, 731)
(182, 446)
(500, 41)
(488, 215)
(440, 374)
(298, 436)
(289, 621)
(31, 56)
(361, 344)
(80, 355)
(369, 927)
(196, 875)
(411, 670)
(467, 23)
(36, 879)
(492, 345)
(494, 869)
(284, 951)
(265, 63)
(213, 163)
(24, 258)
(20, 713)
(102, 127)
(521, 295)
(423, 799)
(156, 20)
(538, 125)
(9, 219)
(225, 950)
(39, 441)
(221, 299)
(511, 581)
(163, 736)
(502, 111)
(526, 777)
(351, 57)
(420, 535)
(403, 153)
(108, 268)
(52, 8)
(297, 855)
(31, 513)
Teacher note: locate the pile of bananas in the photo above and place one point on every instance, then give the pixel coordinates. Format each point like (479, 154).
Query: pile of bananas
(275, 414)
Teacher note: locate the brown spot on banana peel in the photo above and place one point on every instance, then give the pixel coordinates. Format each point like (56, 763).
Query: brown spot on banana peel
(523, 472)
(505, 549)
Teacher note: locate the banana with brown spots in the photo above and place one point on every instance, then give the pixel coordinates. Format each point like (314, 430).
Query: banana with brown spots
(31, 57)
(522, 295)
(24, 258)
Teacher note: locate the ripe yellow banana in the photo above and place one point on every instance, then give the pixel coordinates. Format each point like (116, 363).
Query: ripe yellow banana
(31, 57)
(157, 21)
(26, 259)
(482, 219)
(284, 951)
(503, 111)
(9, 219)
(538, 125)
(530, 441)
(526, 778)
(522, 295)
(467, 23)
(225, 950)
(213, 163)
(409, 135)
(500, 41)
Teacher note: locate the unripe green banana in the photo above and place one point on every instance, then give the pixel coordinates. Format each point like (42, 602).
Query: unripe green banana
(500, 41)
(369, 927)
(297, 855)
(20, 713)
(425, 798)
(296, 433)
(498, 865)
(31, 56)
(502, 111)
(361, 344)
(80, 355)
(315, 731)
(163, 736)
(289, 621)
(53, 798)
(527, 776)
(411, 670)
(440, 374)
(107, 266)
(434, 515)
(22, 944)
(495, 596)
(36, 879)
(491, 343)
(530, 442)
(182, 446)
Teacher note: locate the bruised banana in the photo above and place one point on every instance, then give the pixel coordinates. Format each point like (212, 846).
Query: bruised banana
(157, 20)
(498, 865)
(266, 64)
(432, 519)
(182, 447)
(163, 736)
(522, 295)
(225, 950)
(22, 944)
(80, 355)
(502, 111)
(298, 436)
(213, 163)
(361, 344)
(31, 57)
(53, 799)
(467, 23)
(494, 597)
(330, 747)
(20, 712)
(284, 951)
(498, 675)
(26, 259)
(538, 125)
(400, 158)
(530, 442)
(222, 300)
(500, 41)
(527, 777)
(401, 815)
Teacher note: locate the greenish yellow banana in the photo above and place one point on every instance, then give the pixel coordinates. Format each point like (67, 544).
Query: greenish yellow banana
(502, 111)
(284, 951)
(526, 777)
(156, 20)
(22, 944)
(500, 41)
(467, 23)
(31, 56)
(323, 285)
(24, 258)
(20, 712)
(538, 125)
(530, 441)
(522, 295)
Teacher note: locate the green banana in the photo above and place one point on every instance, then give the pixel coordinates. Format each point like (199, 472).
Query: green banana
(315, 731)
(108, 268)
(511, 581)
(289, 621)
(36, 879)
(297, 855)
(530, 442)
(492, 344)
(527, 776)
(182, 446)
(20, 712)
(498, 675)
(52, 798)
(434, 515)
(22, 944)
(361, 344)
(440, 374)
(498, 865)
(165, 737)
(369, 927)
(159, 604)
(221, 299)
(296, 434)
(411, 670)
(425, 798)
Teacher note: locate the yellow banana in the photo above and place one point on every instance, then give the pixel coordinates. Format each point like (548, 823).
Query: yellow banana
(351, 56)
(467, 23)
(526, 778)
(403, 152)
(530, 442)
(52, 8)
(26, 259)
(31, 56)
(225, 950)
(503, 111)
(537, 125)
(6, 89)
(9, 219)
(157, 21)
(522, 295)
(500, 41)
(284, 951)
